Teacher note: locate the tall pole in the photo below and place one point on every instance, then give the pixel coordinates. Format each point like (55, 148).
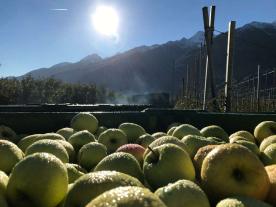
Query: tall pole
(229, 66)
(187, 81)
(258, 89)
(209, 79)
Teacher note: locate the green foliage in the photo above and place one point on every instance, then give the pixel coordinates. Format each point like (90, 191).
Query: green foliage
(32, 91)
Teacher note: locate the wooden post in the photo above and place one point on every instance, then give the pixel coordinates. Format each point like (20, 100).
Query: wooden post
(229, 66)
(258, 89)
(209, 78)
(187, 82)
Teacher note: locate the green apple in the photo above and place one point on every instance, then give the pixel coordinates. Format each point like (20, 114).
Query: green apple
(66, 132)
(50, 146)
(8, 134)
(145, 140)
(233, 170)
(10, 154)
(183, 193)
(129, 196)
(24, 143)
(250, 145)
(245, 134)
(166, 140)
(100, 130)
(199, 157)
(242, 201)
(132, 131)
(91, 154)
(4, 179)
(267, 141)
(157, 135)
(69, 149)
(185, 129)
(264, 130)
(91, 185)
(271, 171)
(85, 121)
(167, 163)
(134, 149)
(113, 139)
(38, 180)
(268, 156)
(194, 142)
(121, 162)
(215, 131)
(80, 138)
(237, 138)
(171, 130)
(174, 124)
(74, 171)
(216, 140)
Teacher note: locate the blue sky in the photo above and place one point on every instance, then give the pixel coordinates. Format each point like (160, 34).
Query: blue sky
(33, 35)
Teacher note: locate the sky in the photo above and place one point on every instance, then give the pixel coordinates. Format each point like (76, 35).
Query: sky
(41, 33)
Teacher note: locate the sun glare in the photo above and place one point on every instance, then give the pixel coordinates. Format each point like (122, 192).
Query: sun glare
(106, 21)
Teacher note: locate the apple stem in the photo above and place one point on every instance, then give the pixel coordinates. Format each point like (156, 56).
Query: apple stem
(154, 152)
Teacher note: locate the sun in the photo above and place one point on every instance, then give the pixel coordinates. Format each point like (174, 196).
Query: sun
(105, 20)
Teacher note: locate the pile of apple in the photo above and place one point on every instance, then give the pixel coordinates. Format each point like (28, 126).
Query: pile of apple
(88, 165)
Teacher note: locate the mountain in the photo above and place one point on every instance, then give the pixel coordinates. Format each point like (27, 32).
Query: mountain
(161, 67)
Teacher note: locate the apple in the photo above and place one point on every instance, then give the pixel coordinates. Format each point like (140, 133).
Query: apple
(268, 156)
(50, 146)
(166, 140)
(128, 196)
(121, 162)
(264, 130)
(171, 130)
(271, 171)
(199, 157)
(237, 138)
(8, 134)
(267, 141)
(100, 130)
(80, 138)
(113, 139)
(194, 142)
(242, 201)
(90, 185)
(69, 149)
(66, 132)
(167, 163)
(174, 124)
(25, 142)
(245, 134)
(157, 135)
(4, 179)
(10, 154)
(132, 131)
(183, 193)
(185, 129)
(215, 131)
(38, 180)
(135, 149)
(145, 140)
(233, 170)
(85, 121)
(74, 171)
(250, 145)
(91, 154)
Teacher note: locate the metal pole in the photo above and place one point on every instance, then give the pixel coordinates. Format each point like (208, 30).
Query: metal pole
(187, 82)
(229, 66)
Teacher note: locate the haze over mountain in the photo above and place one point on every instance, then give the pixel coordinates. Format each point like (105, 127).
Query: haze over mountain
(160, 67)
